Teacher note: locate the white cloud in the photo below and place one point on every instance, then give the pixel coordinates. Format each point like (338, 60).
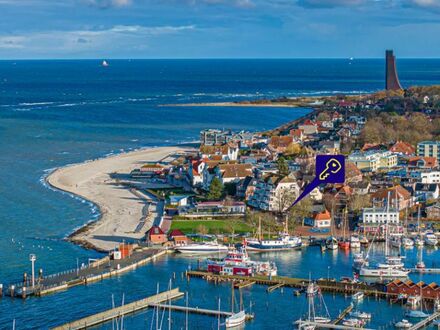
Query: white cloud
(11, 42)
(426, 3)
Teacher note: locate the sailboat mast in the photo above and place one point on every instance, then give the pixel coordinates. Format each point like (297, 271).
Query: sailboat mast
(259, 229)
(232, 298)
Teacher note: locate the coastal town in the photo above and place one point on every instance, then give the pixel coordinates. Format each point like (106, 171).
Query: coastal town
(230, 196)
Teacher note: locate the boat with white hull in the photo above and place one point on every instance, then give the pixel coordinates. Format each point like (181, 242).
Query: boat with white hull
(282, 243)
(431, 239)
(202, 248)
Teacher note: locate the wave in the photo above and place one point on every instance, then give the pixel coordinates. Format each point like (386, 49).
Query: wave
(35, 103)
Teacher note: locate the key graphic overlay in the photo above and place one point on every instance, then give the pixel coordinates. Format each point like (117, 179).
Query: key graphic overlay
(329, 169)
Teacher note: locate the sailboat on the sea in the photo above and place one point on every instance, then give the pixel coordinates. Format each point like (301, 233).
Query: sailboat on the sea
(104, 63)
(239, 318)
(282, 243)
(312, 316)
(391, 267)
(344, 242)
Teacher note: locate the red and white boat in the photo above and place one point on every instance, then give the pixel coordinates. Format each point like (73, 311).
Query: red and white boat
(237, 262)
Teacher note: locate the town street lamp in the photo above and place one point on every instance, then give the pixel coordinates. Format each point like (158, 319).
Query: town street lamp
(32, 259)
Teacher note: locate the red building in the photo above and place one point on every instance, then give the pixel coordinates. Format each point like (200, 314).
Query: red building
(428, 291)
(156, 235)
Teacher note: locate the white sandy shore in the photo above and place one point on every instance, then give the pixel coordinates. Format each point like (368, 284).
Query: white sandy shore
(120, 209)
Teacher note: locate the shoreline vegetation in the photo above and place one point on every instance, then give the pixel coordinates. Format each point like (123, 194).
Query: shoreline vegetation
(120, 208)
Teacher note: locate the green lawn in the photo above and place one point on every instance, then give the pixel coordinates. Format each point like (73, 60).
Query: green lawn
(213, 226)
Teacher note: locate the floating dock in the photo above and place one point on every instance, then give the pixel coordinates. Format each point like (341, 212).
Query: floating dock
(425, 270)
(343, 314)
(97, 271)
(375, 290)
(423, 323)
(118, 312)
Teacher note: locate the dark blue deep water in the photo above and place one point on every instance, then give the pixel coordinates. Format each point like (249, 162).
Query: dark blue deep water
(54, 113)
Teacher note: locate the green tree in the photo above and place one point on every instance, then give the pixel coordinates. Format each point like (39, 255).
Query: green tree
(215, 189)
(301, 210)
(283, 168)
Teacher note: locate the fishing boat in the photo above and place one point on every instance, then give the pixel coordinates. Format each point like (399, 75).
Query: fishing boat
(358, 296)
(283, 242)
(355, 243)
(236, 319)
(237, 262)
(404, 324)
(431, 239)
(202, 248)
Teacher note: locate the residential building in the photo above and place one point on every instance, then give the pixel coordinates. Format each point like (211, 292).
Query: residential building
(429, 149)
(308, 127)
(433, 211)
(380, 216)
(195, 172)
(233, 172)
(297, 134)
(274, 193)
(422, 163)
(430, 177)
(373, 160)
(319, 220)
(280, 143)
(178, 237)
(212, 137)
(397, 197)
(403, 148)
(227, 151)
(426, 191)
(156, 235)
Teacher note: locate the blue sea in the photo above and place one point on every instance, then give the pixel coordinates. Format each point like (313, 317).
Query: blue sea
(54, 113)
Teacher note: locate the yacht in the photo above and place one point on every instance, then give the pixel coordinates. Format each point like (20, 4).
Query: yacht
(353, 323)
(431, 239)
(202, 248)
(358, 296)
(361, 315)
(404, 324)
(235, 320)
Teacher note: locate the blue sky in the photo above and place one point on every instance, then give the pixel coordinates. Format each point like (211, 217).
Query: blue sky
(218, 28)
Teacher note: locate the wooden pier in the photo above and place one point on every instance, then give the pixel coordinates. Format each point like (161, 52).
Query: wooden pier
(343, 314)
(97, 271)
(425, 270)
(274, 287)
(423, 323)
(197, 310)
(243, 284)
(118, 312)
(306, 324)
(374, 290)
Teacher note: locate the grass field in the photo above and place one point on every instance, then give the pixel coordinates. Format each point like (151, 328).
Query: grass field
(212, 226)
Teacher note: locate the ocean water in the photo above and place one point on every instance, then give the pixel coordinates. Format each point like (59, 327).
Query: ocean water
(54, 113)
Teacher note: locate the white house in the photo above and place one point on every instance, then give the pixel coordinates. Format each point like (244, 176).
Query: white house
(380, 216)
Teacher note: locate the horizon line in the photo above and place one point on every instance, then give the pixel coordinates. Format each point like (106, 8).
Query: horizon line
(211, 58)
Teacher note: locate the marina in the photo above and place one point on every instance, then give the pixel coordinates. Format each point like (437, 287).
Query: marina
(96, 271)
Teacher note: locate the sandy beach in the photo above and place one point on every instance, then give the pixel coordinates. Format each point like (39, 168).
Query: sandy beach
(121, 209)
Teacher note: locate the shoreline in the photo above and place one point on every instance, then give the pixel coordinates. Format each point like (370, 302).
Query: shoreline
(119, 209)
(232, 104)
